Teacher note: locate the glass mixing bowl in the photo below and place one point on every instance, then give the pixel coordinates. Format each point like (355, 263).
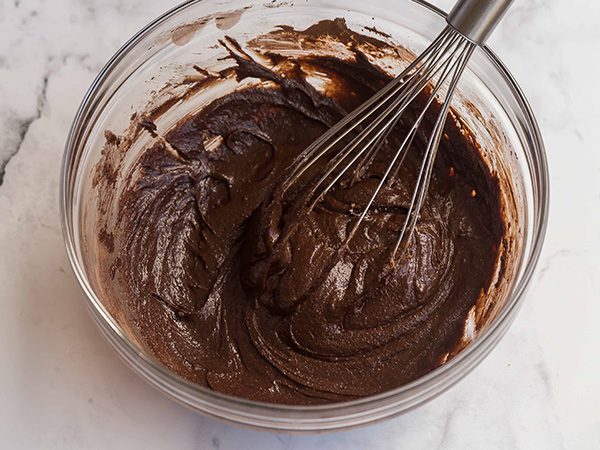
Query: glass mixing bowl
(488, 99)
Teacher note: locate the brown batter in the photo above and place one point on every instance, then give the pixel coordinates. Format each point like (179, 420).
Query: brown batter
(203, 289)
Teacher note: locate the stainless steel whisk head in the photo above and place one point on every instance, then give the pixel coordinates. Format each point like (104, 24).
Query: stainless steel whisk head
(349, 146)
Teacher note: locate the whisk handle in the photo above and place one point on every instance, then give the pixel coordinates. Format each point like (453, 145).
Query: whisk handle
(476, 19)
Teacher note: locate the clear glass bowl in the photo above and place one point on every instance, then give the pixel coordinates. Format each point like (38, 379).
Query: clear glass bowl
(488, 99)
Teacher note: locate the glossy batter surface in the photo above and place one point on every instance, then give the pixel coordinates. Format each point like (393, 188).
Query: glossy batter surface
(232, 286)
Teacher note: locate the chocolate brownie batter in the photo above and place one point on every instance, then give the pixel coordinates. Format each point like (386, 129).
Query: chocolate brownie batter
(235, 285)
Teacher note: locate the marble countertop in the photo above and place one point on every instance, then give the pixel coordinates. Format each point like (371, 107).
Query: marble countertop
(62, 386)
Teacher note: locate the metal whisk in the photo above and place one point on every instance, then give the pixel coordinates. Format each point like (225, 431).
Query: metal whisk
(354, 142)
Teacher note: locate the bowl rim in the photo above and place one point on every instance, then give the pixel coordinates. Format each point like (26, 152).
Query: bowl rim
(308, 412)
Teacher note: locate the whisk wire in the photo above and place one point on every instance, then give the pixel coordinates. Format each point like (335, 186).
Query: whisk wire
(425, 172)
(448, 68)
(415, 76)
(307, 157)
(399, 104)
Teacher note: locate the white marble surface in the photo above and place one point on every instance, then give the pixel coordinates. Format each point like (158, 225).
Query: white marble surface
(62, 386)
